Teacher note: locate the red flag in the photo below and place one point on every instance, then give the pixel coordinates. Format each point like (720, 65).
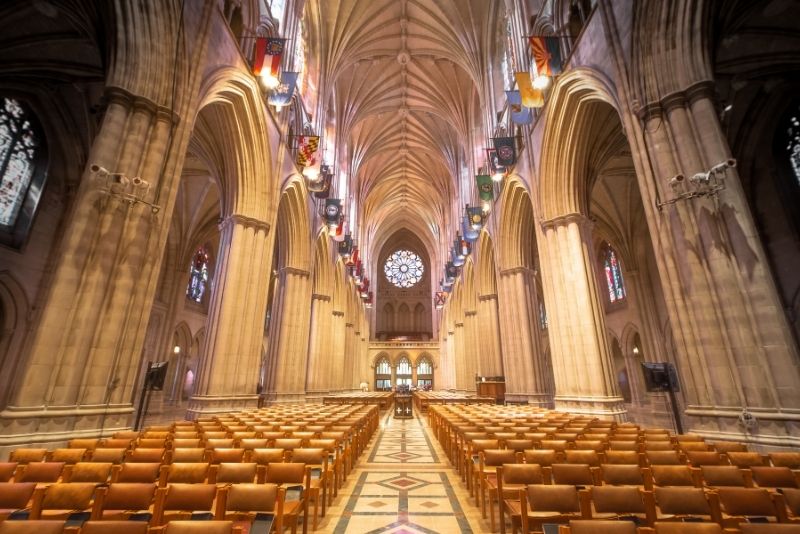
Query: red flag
(269, 51)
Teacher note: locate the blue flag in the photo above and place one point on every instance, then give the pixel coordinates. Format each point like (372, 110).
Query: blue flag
(282, 96)
(519, 113)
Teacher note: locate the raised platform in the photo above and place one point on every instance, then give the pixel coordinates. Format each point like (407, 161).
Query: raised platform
(382, 399)
(422, 399)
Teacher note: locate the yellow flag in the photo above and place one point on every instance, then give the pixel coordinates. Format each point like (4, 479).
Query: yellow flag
(531, 98)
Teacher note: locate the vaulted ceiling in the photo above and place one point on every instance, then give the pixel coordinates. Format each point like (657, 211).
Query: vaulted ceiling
(402, 82)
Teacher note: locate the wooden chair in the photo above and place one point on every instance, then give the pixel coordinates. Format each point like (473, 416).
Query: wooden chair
(261, 505)
(122, 500)
(509, 480)
(539, 504)
(32, 527)
(295, 478)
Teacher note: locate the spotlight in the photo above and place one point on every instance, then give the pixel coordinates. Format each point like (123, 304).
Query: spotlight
(269, 80)
(541, 82)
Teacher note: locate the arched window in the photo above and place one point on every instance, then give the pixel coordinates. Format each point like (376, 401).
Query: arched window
(404, 371)
(793, 144)
(424, 374)
(22, 168)
(300, 56)
(276, 9)
(383, 375)
(613, 275)
(198, 275)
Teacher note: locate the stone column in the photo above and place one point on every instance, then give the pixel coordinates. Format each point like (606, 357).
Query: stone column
(318, 344)
(734, 347)
(228, 372)
(336, 352)
(348, 361)
(291, 341)
(527, 372)
(459, 360)
(584, 374)
(472, 358)
(78, 373)
(489, 328)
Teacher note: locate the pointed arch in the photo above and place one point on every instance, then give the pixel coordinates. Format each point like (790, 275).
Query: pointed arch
(293, 231)
(487, 280)
(575, 132)
(323, 267)
(14, 309)
(232, 137)
(517, 233)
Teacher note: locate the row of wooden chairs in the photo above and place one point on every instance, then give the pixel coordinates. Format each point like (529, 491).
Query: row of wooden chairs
(281, 503)
(537, 504)
(46, 526)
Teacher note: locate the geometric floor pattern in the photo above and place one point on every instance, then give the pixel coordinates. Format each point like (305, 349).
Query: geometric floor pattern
(403, 484)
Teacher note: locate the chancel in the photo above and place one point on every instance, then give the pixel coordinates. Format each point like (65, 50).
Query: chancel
(399, 266)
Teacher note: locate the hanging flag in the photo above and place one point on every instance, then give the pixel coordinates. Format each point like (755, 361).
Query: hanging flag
(268, 55)
(333, 212)
(464, 246)
(353, 256)
(494, 162)
(546, 52)
(322, 187)
(446, 288)
(339, 234)
(282, 96)
(519, 113)
(485, 190)
(345, 246)
(450, 272)
(455, 257)
(506, 150)
(530, 97)
(476, 217)
(439, 299)
(470, 234)
(306, 149)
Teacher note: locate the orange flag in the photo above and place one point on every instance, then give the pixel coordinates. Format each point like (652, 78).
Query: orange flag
(531, 98)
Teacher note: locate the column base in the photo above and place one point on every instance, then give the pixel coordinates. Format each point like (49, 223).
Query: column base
(532, 399)
(52, 427)
(203, 405)
(315, 396)
(769, 429)
(611, 408)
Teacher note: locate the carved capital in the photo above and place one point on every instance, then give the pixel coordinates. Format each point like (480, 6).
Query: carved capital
(490, 296)
(337, 313)
(564, 220)
(317, 296)
(295, 271)
(243, 220)
(518, 270)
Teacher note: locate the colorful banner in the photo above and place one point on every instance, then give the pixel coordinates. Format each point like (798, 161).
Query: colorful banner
(282, 96)
(333, 212)
(506, 150)
(439, 299)
(519, 113)
(475, 217)
(530, 97)
(494, 162)
(485, 188)
(269, 51)
(307, 146)
(470, 234)
(546, 52)
(345, 246)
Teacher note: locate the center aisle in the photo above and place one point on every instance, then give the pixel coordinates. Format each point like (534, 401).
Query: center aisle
(403, 485)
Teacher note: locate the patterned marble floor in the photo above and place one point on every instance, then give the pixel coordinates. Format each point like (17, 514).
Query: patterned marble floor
(403, 484)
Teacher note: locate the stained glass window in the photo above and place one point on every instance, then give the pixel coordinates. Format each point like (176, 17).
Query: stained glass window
(18, 146)
(276, 8)
(404, 372)
(383, 368)
(542, 315)
(198, 275)
(613, 273)
(793, 145)
(424, 367)
(300, 57)
(403, 268)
